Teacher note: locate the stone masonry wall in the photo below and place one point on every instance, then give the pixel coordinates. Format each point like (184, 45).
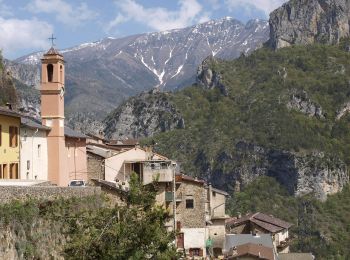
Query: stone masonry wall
(9, 193)
(95, 167)
(191, 218)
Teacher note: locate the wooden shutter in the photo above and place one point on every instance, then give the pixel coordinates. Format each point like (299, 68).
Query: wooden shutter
(5, 171)
(13, 136)
(201, 252)
(10, 136)
(16, 136)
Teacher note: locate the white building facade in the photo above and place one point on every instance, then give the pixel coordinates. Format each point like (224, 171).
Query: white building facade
(33, 150)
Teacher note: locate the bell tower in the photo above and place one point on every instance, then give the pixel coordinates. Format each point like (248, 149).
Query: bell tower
(52, 114)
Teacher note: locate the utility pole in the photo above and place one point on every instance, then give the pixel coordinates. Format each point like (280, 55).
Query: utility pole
(174, 197)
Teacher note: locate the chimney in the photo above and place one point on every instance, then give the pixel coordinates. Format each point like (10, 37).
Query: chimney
(9, 106)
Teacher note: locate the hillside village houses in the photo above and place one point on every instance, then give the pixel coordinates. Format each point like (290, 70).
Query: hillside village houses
(34, 151)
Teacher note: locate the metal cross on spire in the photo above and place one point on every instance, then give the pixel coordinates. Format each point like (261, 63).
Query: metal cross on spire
(52, 40)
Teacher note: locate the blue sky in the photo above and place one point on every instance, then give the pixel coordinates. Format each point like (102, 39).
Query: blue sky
(26, 25)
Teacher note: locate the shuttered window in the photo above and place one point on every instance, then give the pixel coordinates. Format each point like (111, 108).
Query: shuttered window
(14, 171)
(13, 136)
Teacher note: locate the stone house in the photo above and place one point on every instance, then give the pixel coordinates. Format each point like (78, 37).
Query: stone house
(196, 209)
(33, 150)
(216, 217)
(260, 223)
(199, 215)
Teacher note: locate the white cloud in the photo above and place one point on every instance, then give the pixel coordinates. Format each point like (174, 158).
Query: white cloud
(267, 6)
(158, 18)
(65, 12)
(23, 34)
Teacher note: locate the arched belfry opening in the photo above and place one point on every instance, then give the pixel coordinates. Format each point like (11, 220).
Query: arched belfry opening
(61, 73)
(49, 72)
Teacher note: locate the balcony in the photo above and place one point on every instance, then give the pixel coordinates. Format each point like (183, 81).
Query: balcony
(159, 175)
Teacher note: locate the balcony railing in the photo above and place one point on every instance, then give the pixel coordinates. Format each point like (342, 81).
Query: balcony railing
(169, 197)
(159, 175)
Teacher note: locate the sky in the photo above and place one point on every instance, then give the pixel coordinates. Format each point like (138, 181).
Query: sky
(26, 25)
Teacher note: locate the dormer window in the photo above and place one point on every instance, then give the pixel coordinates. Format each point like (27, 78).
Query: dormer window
(49, 72)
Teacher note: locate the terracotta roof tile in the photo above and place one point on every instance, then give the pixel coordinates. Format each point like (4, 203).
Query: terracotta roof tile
(272, 220)
(269, 223)
(259, 251)
(52, 51)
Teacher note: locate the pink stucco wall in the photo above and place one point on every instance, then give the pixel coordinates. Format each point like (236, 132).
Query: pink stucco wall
(76, 159)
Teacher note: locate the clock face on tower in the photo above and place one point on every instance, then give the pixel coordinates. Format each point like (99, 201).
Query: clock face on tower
(62, 92)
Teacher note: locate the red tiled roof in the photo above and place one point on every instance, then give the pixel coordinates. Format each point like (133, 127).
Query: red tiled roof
(52, 51)
(239, 221)
(267, 222)
(267, 226)
(272, 220)
(183, 177)
(262, 252)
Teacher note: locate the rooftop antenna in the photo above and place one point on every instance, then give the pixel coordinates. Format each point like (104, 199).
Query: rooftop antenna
(52, 39)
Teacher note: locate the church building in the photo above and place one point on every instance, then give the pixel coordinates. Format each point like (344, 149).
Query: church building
(66, 147)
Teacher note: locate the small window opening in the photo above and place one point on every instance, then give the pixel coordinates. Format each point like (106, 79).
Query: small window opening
(49, 72)
(61, 73)
(189, 204)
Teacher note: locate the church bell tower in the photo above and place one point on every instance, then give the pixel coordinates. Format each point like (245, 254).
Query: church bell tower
(52, 114)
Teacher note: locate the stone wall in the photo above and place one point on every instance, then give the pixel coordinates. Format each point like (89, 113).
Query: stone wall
(191, 217)
(9, 193)
(95, 167)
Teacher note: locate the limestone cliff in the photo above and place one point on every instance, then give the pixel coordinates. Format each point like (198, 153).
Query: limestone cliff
(300, 22)
(143, 116)
(209, 79)
(300, 173)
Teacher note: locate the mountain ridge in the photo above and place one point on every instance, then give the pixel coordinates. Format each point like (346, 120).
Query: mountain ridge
(111, 70)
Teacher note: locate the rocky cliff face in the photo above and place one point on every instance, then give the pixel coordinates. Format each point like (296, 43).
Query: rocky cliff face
(48, 237)
(28, 74)
(143, 116)
(209, 79)
(300, 101)
(303, 22)
(300, 173)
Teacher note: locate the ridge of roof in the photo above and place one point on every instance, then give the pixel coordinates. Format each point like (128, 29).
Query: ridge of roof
(33, 123)
(265, 221)
(72, 133)
(220, 191)
(261, 251)
(9, 112)
(52, 51)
